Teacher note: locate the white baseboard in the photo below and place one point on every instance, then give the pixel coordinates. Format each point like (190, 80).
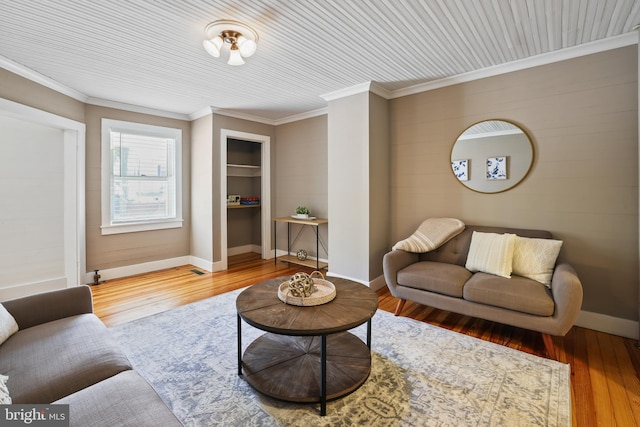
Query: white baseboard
(244, 249)
(219, 265)
(201, 263)
(609, 324)
(342, 276)
(26, 289)
(375, 284)
(131, 270)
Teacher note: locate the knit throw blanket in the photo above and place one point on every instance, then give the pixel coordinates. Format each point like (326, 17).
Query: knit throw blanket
(431, 234)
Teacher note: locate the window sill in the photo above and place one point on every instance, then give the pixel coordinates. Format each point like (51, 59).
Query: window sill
(134, 227)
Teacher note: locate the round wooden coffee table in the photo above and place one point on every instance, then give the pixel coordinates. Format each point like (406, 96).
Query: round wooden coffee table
(306, 354)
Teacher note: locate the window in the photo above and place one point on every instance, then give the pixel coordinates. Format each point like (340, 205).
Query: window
(141, 177)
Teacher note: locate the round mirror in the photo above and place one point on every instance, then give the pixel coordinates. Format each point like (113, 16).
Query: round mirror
(492, 156)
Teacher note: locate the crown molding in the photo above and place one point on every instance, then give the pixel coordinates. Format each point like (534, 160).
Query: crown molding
(370, 86)
(379, 90)
(348, 91)
(203, 112)
(598, 46)
(136, 108)
(302, 116)
(41, 79)
(243, 116)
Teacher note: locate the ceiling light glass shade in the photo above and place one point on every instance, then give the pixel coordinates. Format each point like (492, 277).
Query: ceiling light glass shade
(224, 34)
(234, 57)
(213, 46)
(247, 47)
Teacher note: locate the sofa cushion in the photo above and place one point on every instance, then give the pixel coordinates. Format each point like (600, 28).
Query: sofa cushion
(447, 279)
(517, 293)
(125, 399)
(54, 359)
(491, 253)
(536, 258)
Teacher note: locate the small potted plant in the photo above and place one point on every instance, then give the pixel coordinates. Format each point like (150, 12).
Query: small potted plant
(302, 212)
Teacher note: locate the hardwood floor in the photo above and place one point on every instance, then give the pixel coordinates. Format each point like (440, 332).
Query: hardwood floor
(605, 369)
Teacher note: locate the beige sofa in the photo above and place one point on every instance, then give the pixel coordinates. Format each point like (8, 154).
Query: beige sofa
(63, 354)
(439, 279)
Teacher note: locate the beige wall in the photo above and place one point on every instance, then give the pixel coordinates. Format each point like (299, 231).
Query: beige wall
(379, 190)
(300, 171)
(125, 249)
(23, 91)
(582, 115)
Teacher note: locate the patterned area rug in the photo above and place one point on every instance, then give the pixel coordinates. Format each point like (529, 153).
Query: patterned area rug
(421, 375)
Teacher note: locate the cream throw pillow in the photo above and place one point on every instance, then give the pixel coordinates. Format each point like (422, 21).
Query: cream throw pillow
(8, 325)
(536, 258)
(491, 253)
(5, 399)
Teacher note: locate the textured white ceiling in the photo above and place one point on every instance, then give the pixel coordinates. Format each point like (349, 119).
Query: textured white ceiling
(149, 53)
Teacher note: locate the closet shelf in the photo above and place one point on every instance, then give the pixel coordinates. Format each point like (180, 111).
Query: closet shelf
(243, 170)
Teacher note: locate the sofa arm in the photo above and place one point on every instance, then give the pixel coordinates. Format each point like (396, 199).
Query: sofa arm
(48, 306)
(567, 295)
(393, 262)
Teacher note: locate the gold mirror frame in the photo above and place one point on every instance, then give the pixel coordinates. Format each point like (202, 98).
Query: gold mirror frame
(497, 142)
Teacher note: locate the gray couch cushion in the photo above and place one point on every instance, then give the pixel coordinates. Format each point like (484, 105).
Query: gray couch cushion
(447, 279)
(517, 293)
(125, 399)
(49, 361)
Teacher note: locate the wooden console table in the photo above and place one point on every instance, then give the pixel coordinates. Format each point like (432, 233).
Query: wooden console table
(314, 223)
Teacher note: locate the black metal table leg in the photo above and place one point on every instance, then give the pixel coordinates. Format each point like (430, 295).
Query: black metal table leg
(288, 238)
(369, 334)
(239, 345)
(275, 244)
(317, 249)
(323, 376)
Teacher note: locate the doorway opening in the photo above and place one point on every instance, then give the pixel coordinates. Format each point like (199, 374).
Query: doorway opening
(245, 187)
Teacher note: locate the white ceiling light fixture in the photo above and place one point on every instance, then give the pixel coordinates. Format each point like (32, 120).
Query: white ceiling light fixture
(240, 38)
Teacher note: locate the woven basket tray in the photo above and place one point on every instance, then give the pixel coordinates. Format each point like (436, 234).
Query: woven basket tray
(326, 292)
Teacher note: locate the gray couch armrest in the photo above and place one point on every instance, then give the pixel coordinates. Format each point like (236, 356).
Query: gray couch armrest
(48, 306)
(567, 295)
(393, 262)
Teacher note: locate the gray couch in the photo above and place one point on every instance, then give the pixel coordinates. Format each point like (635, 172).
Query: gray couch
(64, 354)
(439, 279)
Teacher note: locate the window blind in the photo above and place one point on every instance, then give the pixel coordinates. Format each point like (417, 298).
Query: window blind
(143, 184)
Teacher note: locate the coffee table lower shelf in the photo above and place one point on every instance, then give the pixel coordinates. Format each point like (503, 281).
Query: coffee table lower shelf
(289, 367)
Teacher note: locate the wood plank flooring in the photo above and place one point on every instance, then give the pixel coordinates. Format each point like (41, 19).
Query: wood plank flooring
(605, 369)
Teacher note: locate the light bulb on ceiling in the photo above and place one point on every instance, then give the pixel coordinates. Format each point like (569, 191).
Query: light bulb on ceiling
(247, 47)
(234, 56)
(213, 46)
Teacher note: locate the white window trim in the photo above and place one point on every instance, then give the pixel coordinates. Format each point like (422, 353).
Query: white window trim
(131, 227)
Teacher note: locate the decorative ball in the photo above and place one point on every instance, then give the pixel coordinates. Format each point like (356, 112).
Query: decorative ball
(302, 254)
(301, 285)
